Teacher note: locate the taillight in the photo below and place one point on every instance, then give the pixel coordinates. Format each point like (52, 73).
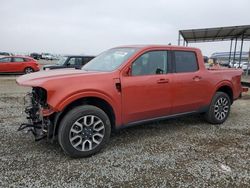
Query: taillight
(245, 89)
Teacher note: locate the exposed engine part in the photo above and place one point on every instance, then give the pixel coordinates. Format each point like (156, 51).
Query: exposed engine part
(38, 125)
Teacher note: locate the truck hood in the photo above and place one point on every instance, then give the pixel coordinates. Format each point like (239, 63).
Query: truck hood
(37, 78)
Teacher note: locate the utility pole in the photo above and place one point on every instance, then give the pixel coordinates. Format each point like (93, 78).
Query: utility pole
(248, 62)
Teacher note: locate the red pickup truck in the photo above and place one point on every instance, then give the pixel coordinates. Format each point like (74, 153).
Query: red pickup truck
(125, 86)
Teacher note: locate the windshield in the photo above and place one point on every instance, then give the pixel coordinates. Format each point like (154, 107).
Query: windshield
(109, 60)
(61, 61)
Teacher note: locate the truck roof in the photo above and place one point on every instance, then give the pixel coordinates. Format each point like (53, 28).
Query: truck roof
(78, 56)
(158, 46)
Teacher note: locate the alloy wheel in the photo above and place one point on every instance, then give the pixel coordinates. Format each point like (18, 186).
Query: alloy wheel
(87, 133)
(28, 70)
(221, 108)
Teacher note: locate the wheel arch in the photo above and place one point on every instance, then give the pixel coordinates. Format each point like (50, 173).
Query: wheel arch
(87, 100)
(226, 87)
(26, 67)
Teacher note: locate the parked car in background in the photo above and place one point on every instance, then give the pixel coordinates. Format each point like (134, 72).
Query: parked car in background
(57, 57)
(2, 54)
(5, 54)
(125, 86)
(72, 61)
(18, 64)
(232, 64)
(224, 63)
(47, 56)
(36, 56)
(237, 64)
(245, 66)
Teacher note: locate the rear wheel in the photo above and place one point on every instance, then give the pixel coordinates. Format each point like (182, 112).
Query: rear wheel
(219, 108)
(84, 131)
(28, 70)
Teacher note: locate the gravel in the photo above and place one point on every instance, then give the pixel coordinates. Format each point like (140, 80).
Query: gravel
(183, 152)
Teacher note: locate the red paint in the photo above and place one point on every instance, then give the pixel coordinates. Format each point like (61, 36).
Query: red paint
(245, 89)
(18, 67)
(141, 97)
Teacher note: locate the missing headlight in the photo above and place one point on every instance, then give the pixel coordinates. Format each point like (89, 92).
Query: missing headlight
(39, 95)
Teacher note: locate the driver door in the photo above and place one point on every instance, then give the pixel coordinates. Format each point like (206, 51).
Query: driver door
(146, 90)
(18, 64)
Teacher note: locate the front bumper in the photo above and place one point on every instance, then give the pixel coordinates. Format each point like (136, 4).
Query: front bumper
(40, 126)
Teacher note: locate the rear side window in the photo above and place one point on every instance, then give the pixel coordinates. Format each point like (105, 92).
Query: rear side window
(185, 61)
(78, 61)
(26, 59)
(87, 59)
(18, 59)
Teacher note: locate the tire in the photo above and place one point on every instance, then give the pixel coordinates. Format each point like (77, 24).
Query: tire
(219, 108)
(79, 127)
(28, 70)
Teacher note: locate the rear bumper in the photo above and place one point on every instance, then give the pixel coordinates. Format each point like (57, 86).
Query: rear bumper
(244, 89)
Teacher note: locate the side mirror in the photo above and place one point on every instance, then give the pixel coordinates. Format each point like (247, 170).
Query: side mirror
(159, 71)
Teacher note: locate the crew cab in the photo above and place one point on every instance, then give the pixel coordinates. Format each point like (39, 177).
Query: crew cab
(125, 86)
(70, 61)
(18, 64)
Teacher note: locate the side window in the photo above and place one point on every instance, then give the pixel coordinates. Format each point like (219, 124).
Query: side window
(78, 61)
(87, 59)
(71, 61)
(150, 63)
(18, 59)
(26, 59)
(4, 60)
(185, 61)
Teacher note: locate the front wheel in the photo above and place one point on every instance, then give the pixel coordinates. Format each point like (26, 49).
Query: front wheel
(84, 131)
(219, 108)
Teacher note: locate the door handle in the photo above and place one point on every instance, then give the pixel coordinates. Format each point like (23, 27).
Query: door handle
(162, 81)
(197, 78)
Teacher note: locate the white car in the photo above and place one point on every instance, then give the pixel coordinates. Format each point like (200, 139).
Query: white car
(47, 56)
(245, 66)
(233, 64)
(236, 64)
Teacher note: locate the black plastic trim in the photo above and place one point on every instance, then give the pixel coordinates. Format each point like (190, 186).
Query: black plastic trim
(201, 110)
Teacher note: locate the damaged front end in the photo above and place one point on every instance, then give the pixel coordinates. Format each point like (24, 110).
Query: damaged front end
(35, 106)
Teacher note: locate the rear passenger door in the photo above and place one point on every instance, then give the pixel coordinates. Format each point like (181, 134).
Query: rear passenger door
(188, 86)
(18, 64)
